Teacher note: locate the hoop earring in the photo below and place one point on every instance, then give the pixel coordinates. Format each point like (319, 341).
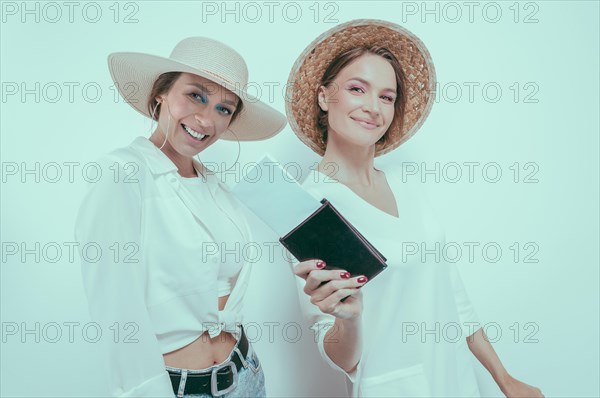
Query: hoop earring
(168, 124)
(166, 135)
(236, 159)
(154, 110)
(152, 118)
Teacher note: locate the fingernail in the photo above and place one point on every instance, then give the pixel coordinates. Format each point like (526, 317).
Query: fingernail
(321, 264)
(362, 279)
(345, 275)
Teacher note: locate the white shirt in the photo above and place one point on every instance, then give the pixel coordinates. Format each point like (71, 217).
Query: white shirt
(404, 303)
(160, 286)
(226, 234)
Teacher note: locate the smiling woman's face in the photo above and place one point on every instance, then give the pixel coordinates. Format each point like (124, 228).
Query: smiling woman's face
(360, 101)
(197, 112)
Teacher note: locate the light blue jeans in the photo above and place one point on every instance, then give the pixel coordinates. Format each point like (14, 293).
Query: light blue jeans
(251, 379)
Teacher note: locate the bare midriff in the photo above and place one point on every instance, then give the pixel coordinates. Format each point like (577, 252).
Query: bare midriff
(203, 352)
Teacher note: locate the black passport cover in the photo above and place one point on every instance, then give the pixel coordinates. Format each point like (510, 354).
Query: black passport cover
(328, 236)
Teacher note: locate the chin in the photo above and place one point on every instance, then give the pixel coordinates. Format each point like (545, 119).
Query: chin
(184, 149)
(366, 142)
(362, 144)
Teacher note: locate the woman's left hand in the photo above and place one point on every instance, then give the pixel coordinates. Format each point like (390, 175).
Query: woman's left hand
(514, 388)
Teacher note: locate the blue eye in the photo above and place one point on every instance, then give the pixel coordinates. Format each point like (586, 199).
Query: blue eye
(198, 97)
(224, 110)
(388, 98)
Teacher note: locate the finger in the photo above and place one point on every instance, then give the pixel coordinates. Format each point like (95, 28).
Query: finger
(329, 304)
(303, 268)
(324, 290)
(315, 279)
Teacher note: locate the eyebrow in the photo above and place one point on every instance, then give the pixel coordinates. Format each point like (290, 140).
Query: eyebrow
(367, 84)
(206, 90)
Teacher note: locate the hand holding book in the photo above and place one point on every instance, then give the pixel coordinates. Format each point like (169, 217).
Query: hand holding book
(326, 235)
(332, 291)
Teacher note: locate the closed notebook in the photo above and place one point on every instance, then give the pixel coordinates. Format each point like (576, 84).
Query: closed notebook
(328, 236)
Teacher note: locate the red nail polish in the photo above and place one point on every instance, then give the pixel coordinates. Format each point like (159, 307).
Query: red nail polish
(362, 279)
(321, 264)
(345, 275)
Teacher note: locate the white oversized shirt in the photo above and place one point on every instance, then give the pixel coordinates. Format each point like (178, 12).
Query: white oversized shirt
(416, 313)
(154, 288)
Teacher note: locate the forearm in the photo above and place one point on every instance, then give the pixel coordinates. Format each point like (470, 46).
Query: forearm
(484, 352)
(343, 343)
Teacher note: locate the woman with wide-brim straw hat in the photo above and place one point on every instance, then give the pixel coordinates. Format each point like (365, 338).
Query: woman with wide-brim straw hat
(169, 288)
(358, 91)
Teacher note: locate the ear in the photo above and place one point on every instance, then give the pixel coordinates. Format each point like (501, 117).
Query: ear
(322, 98)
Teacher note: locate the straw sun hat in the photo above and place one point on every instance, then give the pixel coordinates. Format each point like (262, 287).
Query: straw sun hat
(135, 74)
(305, 78)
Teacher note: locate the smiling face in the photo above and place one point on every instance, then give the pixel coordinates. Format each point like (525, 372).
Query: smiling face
(360, 101)
(197, 112)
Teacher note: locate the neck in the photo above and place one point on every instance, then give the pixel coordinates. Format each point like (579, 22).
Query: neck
(352, 165)
(185, 165)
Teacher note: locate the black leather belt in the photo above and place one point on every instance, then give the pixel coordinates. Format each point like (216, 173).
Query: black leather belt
(219, 380)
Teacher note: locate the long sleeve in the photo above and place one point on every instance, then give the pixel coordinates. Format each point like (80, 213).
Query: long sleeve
(319, 323)
(469, 319)
(114, 281)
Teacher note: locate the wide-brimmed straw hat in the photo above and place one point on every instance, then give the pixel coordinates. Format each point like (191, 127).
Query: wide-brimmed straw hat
(306, 75)
(135, 73)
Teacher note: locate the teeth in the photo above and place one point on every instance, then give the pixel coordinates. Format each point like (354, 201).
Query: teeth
(193, 133)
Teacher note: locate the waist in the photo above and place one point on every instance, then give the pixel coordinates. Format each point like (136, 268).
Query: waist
(178, 323)
(203, 352)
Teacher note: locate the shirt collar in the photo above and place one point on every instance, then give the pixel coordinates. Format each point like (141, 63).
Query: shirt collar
(157, 161)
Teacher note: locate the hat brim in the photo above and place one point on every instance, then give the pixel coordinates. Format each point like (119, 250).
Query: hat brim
(134, 75)
(308, 70)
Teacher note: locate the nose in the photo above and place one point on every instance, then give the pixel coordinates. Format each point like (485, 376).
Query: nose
(204, 120)
(371, 104)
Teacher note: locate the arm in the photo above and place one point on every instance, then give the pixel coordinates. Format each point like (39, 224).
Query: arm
(484, 352)
(337, 324)
(343, 343)
(480, 346)
(115, 289)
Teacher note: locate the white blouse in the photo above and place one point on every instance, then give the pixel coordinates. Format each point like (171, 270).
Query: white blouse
(154, 289)
(416, 313)
(226, 233)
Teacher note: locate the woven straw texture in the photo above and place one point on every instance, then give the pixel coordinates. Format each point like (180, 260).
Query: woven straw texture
(307, 72)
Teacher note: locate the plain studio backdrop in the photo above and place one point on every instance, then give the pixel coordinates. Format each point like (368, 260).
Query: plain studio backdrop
(508, 156)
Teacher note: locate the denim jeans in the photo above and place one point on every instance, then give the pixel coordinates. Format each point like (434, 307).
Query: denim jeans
(251, 379)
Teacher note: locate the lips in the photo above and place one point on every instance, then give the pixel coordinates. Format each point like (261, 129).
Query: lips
(195, 134)
(366, 123)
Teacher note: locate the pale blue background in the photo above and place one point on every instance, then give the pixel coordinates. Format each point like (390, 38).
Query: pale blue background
(559, 133)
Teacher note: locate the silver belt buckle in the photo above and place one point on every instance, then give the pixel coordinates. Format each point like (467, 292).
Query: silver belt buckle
(246, 363)
(214, 389)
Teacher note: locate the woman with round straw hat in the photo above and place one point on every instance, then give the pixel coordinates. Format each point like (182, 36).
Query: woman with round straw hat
(358, 91)
(170, 300)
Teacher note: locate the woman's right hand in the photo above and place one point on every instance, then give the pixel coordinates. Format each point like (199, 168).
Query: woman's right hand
(327, 288)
